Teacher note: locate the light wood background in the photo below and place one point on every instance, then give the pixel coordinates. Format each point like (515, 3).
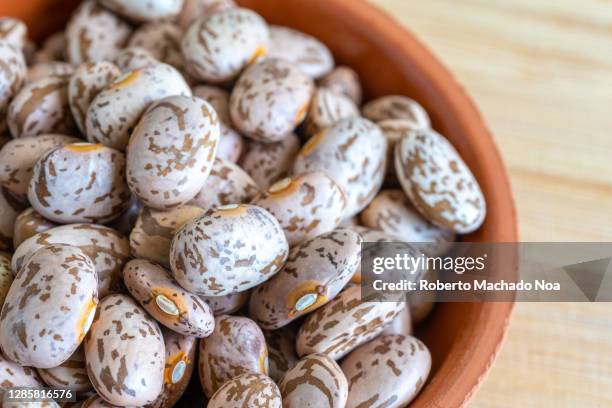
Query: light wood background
(541, 73)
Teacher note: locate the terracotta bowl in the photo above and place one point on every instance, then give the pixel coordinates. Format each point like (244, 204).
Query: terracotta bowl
(464, 338)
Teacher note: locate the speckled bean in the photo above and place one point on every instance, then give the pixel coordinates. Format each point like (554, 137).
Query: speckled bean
(16, 375)
(171, 151)
(306, 205)
(114, 112)
(217, 47)
(152, 235)
(315, 381)
(104, 246)
(438, 182)
(9, 210)
(270, 100)
(267, 163)
(79, 182)
(281, 351)
(180, 362)
(328, 108)
(202, 261)
(49, 307)
(236, 346)
(396, 107)
(301, 49)
(72, 374)
(19, 156)
(6, 276)
(391, 212)
(133, 58)
(87, 81)
(12, 78)
(345, 81)
(226, 184)
(29, 223)
(194, 9)
(48, 68)
(14, 32)
(389, 371)
(163, 40)
(353, 153)
(345, 323)
(41, 107)
(315, 272)
(125, 353)
(231, 143)
(94, 34)
(247, 390)
(168, 303)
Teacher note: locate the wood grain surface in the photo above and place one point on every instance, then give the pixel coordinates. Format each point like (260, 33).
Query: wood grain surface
(541, 73)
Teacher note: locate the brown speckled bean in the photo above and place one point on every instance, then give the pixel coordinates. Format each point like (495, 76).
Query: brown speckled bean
(281, 351)
(41, 107)
(227, 304)
(115, 111)
(202, 261)
(315, 381)
(194, 9)
(226, 184)
(270, 100)
(394, 130)
(160, 295)
(345, 81)
(247, 390)
(301, 49)
(315, 272)
(152, 235)
(15, 375)
(29, 223)
(94, 34)
(86, 82)
(12, 78)
(217, 47)
(391, 212)
(72, 374)
(163, 40)
(171, 151)
(6, 276)
(9, 210)
(355, 322)
(231, 142)
(328, 108)
(143, 11)
(353, 153)
(125, 353)
(104, 246)
(180, 362)
(306, 205)
(438, 182)
(267, 163)
(19, 156)
(236, 346)
(396, 107)
(389, 371)
(402, 324)
(79, 182)
(133, 58)
(49, 307)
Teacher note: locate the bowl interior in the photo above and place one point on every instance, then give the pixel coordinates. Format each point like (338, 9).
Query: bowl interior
(464, 337)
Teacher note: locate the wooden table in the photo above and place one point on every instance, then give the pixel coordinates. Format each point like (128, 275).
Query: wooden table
(541, 73)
